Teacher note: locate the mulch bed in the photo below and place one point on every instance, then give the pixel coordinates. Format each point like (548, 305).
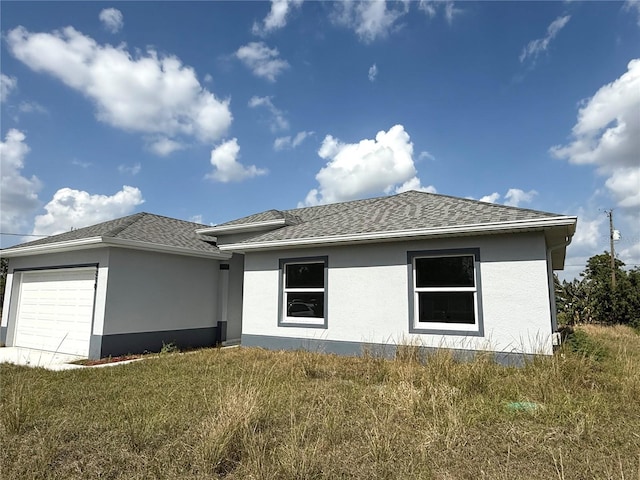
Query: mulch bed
(102, 361)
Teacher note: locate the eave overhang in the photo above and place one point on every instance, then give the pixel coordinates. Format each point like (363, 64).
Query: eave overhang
(98, 242)
(567, 223)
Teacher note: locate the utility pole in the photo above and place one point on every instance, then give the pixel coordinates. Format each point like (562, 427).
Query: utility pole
(613, 256)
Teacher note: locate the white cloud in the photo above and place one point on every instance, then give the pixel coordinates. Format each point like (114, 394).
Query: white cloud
(277, 16)
(196, 218)
(630, 6)
(535, 47)
(428, 7)
(591, 238)
(163, 146)
(278, 120)
(355, 170)
(130, 169)
(31, 107)
(370, 20)
(514, 197)
(431, 7)
(18, 194)
(415, 184)
(493, 198)
(80, 164)
(630, 255)
(450, 11)
(373, 72)
(7, 85)
(224, 159)
(607, 135)
(590, 233)
(142, 93)
(71, 208)
(288, 142)
(426, 155)
(263, 61)
(624, 183)
(112, 19)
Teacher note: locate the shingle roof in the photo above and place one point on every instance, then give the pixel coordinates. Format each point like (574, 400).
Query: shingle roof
(406, 211)
(143, 227)
(263, 217)
(402, 212)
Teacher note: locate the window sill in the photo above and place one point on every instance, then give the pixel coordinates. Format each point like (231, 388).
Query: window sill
(303, 323)
(435, 328)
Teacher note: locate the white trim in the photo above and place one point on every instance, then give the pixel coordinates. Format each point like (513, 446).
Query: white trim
(430, 324)
(96, 242)
(496, 227)
(243, 227)
(299, 321)
(57, 247)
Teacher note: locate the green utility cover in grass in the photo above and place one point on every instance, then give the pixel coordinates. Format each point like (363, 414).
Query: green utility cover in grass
(526, 406)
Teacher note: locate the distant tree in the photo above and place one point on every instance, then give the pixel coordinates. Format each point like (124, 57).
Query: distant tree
(571, 302)
(603, 300)
(593, 299)
(634, 296)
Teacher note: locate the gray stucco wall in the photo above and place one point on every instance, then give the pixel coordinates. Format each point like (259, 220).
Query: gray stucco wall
(369, 295)
(150, 291)
(234, 311)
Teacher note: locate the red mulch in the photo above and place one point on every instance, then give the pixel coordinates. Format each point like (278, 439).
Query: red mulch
(102, 361)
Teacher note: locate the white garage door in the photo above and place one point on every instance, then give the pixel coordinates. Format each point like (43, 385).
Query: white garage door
(55, 310)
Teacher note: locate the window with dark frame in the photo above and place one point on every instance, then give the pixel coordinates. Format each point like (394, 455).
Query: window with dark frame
(445, 289)
(303, 292)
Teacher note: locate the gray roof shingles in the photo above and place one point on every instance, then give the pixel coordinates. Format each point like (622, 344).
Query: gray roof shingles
(405, 211)
(401, 212)
(143, 227)
(263, 217)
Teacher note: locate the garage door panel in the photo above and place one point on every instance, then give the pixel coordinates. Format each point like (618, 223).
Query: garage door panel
(56, 309)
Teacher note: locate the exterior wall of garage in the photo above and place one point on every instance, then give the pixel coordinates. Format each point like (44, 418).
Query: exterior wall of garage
(368, 297)
(143, 299)
(98, 257)
(155, 299)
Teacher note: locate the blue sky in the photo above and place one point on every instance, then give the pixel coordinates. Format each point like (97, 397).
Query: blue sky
(211, 111)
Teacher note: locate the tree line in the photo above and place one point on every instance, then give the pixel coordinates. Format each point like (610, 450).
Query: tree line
(594, 299)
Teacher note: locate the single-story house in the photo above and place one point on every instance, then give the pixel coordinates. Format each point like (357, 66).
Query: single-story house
(417, 268)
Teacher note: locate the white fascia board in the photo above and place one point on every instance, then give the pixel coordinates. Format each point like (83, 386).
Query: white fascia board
(96, 242)
(81, 244)
(482, 228)
(243, 227)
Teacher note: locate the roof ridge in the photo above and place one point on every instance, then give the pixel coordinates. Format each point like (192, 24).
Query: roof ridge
(291, 217)
(351, 205)
(474, 201)
(132, 219)
(169, 218)
(361, 201)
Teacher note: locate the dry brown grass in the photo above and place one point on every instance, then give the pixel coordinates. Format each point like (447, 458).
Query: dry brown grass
(249, 413)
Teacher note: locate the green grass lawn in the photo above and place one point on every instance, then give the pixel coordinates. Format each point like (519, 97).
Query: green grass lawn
(246, 413)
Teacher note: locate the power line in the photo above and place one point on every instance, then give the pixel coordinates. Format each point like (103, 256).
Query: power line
(23, 234)
(584, 265)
